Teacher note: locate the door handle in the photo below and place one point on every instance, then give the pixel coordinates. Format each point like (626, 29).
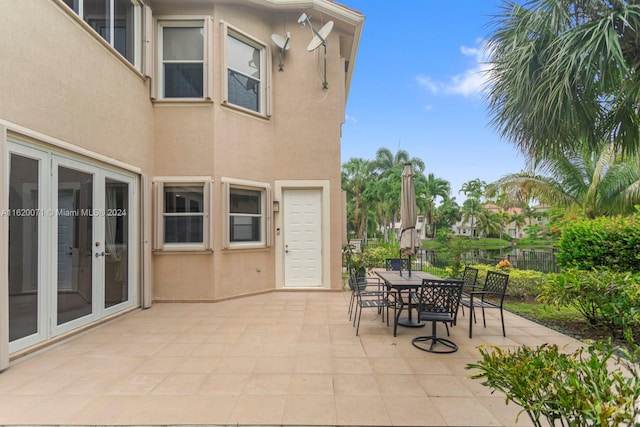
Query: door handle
(99, 254)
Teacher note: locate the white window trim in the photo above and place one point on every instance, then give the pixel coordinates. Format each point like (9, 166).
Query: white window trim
(267, 202)
(157, 91)
(136, 65)
(265, 67)
(159, 184)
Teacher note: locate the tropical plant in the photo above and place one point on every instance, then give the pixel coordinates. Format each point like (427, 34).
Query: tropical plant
(603, 297)
(596, 183)
(474, 188)
(357, 173)
(385, 160)
(564, 75)
(612, 242)
(487, 222)
(471, 208)
(518, 220)
(434, 188)
(592, 386)
(383, 194)
(447, 214)
(503, 218)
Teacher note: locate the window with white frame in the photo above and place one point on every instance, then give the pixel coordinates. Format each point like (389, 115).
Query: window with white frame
(114, 20)
(246, 214)
(182, 214)
(245, 72)
(181, 53)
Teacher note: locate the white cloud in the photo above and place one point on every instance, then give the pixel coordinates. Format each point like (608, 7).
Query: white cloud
(427, 83)
(351, 119)
(470, 82)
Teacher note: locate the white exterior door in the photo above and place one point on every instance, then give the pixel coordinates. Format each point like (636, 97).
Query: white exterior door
(302, 238)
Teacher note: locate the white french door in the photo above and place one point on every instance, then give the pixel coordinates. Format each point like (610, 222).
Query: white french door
(76, 219)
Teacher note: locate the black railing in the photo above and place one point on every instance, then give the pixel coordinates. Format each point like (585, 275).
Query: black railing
(522, 259)
(542, 261)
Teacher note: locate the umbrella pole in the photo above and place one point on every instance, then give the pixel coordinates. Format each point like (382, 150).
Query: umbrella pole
(400, 252)
(409, 265)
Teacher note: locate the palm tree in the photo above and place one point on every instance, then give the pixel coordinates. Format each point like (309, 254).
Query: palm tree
(564, 74)
(504, 218)
(596, 184)
(471, 208)
(383, 194)
(434, 188)
(519, 220)
(357, 173)
(474, 188)
(488, 222)
(385, 160)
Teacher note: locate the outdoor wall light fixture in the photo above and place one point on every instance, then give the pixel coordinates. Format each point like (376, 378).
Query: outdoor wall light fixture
(276, 206)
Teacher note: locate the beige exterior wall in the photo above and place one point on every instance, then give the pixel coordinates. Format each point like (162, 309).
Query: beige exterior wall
(299, 141)
(61, 81)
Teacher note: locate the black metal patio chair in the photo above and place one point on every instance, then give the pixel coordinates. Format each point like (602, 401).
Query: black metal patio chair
(490, 296)
(381, 300)
(396, 264)
(364, 284)
(469, 277)
(438, 302)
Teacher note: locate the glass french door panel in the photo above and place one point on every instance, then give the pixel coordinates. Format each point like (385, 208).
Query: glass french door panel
(24, 214)
(116, 274)
(74, 244)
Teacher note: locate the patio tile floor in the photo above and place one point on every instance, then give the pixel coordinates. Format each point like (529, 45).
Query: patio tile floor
(282, 358)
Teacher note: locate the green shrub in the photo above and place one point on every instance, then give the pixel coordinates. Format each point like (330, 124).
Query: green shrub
(602, 296)
(578, 389)
(523, 284)
(606, 241)
(376, 256)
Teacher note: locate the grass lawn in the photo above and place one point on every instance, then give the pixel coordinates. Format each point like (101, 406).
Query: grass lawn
(542, 312)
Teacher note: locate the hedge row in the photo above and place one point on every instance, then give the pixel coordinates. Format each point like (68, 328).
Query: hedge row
(612, 242)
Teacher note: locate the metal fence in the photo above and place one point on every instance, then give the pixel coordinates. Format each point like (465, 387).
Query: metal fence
(523, 259)
(543, 261)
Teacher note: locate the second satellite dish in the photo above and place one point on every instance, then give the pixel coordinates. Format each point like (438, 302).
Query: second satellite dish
(320, 37)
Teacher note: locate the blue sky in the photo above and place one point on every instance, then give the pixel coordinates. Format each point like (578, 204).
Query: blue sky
(417, 87)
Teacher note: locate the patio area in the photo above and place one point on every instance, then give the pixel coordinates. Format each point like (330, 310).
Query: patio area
(282, 358)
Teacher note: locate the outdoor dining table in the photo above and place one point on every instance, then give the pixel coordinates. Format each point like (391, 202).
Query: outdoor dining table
(404, 285)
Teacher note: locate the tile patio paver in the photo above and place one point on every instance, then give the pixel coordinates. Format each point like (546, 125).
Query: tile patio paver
(282, 358)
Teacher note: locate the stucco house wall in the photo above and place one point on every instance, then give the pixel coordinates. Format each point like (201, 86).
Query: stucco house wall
(66, 92)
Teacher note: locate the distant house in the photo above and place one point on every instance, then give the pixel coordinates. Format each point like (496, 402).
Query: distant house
(515, 229)
(166, 150)
(420, 227)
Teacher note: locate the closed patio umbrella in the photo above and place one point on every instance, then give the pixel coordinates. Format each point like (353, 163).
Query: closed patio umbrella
(409, 239)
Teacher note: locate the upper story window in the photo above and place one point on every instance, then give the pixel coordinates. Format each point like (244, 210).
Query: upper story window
(246, 72)
(114, 20)
(182, 65)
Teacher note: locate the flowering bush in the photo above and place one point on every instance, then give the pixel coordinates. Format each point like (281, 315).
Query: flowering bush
(504, 265)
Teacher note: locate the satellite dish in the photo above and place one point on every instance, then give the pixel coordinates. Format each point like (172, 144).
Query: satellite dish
(320, 37)
(282, 43)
